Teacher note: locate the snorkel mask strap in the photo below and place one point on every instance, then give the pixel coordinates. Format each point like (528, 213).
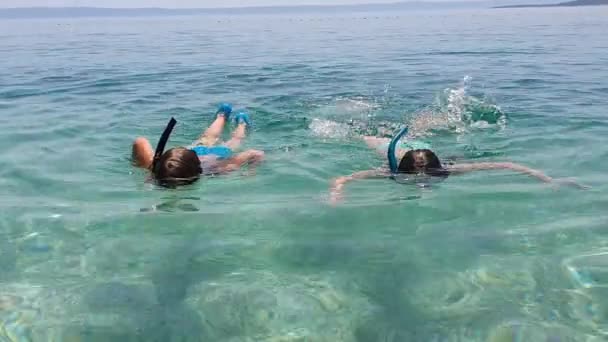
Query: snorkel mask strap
(392, 158)
(160, 147)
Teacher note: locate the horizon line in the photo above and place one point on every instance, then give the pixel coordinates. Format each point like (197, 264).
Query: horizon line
(434, 2)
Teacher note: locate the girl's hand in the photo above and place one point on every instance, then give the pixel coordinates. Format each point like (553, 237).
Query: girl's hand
(335, 192)
(571, 182)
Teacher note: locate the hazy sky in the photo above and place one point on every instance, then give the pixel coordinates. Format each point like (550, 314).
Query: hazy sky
(176, 3)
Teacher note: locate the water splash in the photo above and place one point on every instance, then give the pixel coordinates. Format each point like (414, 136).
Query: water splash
(464, 110)
(329, 129)
(355, 115)
(340, 107)
(459, 110)
(356, 105)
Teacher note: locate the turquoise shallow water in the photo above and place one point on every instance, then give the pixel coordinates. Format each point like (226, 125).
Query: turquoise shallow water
(482, 257)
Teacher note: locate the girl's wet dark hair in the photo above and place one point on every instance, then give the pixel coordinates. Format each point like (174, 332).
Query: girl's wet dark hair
(177, 166)
(425, 161)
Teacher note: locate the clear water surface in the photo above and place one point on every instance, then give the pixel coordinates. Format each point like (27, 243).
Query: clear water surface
(90, 252)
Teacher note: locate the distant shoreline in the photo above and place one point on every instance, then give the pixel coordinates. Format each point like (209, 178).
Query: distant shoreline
(575, 3)
(98, 12)
(73, 12)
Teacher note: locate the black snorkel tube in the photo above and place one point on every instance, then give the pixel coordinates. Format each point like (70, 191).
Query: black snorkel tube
(162, 142)
(392, 157)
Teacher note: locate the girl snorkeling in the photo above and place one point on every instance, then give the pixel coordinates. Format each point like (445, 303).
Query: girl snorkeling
(184, 165)
(419, 165)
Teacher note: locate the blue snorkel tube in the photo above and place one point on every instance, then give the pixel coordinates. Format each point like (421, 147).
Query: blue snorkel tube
(392, 157)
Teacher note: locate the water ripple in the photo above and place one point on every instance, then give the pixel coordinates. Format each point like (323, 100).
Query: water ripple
(89, 248)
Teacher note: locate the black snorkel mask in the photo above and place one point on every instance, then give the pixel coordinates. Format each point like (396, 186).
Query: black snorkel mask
(162, 142)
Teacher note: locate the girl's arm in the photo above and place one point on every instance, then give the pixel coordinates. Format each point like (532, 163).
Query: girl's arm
(142, 153)
(337, 185)
(251, 158)
(462, 168)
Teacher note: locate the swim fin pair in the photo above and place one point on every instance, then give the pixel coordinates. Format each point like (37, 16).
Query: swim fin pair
(226, 109)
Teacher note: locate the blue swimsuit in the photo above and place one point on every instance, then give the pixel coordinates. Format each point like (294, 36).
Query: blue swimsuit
(222, 152)
(209, 157)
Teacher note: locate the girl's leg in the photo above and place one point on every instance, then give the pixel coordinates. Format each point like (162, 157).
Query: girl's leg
(237, 136)
(142, 153)
(213, 133)
(377, 144)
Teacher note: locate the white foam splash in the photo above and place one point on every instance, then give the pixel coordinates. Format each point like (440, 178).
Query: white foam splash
(458, 111)
(329, 129)
(455, 104)
(455, 110)
(350, 107)
(355, 105)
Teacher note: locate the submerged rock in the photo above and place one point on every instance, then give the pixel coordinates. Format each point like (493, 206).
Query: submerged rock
(262, 306)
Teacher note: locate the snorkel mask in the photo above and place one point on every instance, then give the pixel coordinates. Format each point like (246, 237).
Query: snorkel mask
(162, 142)
(421, 179)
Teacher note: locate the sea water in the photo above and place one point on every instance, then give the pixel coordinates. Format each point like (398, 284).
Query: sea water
(90, 251)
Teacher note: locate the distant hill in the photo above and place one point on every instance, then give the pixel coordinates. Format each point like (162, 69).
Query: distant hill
(69, 12)
(574, 3)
